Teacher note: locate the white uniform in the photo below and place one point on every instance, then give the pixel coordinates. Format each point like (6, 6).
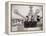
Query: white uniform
(20, 26)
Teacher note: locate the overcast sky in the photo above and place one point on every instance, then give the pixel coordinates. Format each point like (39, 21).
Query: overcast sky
(24, 10)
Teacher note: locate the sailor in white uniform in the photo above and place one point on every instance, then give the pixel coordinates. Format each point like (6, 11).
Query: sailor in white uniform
(20, 26)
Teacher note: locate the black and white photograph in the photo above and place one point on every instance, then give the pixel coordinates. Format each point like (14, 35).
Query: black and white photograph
(26, 17)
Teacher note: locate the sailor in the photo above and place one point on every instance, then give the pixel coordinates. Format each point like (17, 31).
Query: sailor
(32, 23)
(38, 18)
(26, 23)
